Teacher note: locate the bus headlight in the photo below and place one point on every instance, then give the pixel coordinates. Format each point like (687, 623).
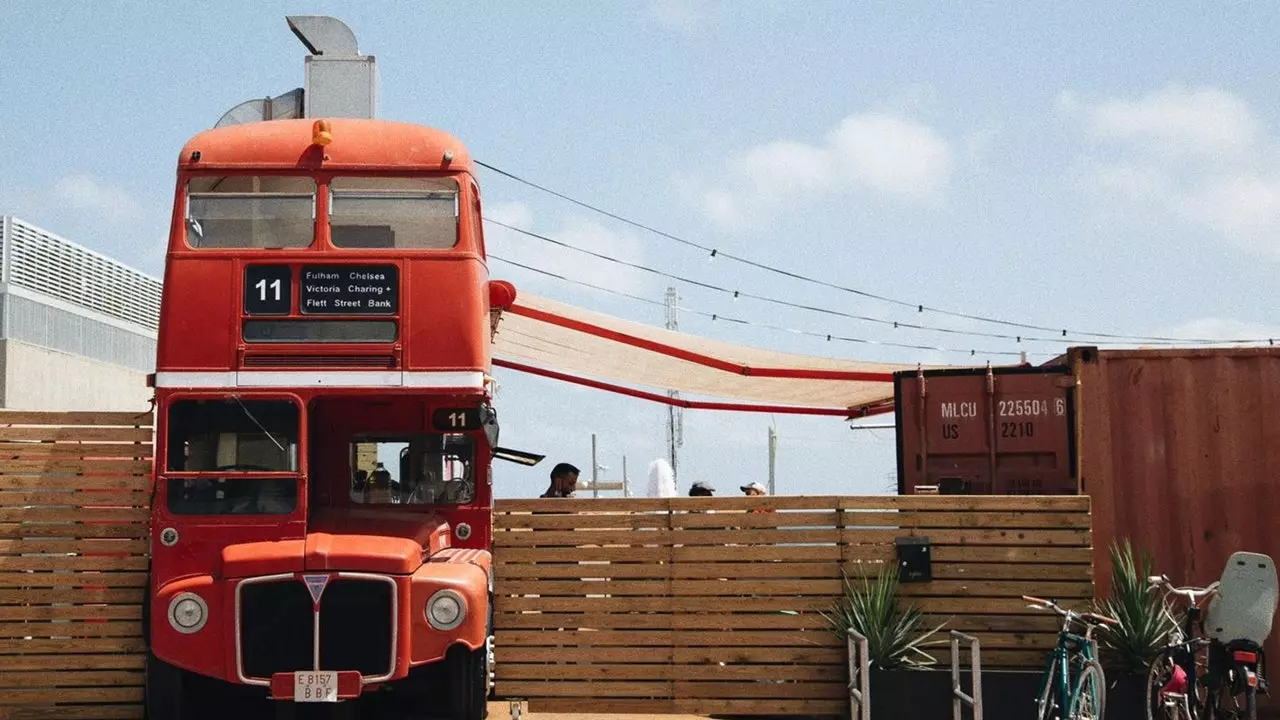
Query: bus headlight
(188, 613)
(446, 610)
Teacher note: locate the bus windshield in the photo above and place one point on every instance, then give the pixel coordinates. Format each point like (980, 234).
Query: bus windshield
(381, 213)
(229, 434)
(250, 211)
(228, 441)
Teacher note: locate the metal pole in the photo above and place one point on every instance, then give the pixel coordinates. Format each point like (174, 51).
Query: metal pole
(675, 418)
(773, 459)
(626, 482)
(595, 469)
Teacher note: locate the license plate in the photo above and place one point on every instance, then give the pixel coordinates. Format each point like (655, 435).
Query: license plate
(315, 686)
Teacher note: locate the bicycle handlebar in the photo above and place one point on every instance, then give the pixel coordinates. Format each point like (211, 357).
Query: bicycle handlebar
(1051, 605)
(1193, 594)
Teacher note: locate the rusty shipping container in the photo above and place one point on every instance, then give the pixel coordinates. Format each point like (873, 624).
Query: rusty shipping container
(1180, 450)
(980, 431)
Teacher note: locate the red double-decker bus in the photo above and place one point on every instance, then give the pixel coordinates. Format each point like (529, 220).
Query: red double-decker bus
(323, 500)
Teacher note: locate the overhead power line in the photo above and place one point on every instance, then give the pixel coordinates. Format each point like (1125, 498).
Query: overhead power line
(918, 307)
(717, 317)
(817, 309)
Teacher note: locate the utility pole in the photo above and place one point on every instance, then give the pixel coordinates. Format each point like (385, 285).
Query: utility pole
(595, 469)
(675, 416)
(773, 460)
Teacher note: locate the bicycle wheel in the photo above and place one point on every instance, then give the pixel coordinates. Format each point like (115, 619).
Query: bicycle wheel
(1089, 700)
(1158, 675)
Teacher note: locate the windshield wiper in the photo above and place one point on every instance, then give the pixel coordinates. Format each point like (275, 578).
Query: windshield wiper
(264, 430)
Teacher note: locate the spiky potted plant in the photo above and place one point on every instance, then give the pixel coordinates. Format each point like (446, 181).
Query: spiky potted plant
(895, 641)
(1146, 626)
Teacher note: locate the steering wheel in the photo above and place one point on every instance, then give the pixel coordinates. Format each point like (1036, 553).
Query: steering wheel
(242, 466)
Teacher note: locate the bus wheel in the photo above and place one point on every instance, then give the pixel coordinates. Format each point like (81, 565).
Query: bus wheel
(468, 677)
(164, 693)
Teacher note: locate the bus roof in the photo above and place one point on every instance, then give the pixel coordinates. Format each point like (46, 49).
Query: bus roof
(356, 143)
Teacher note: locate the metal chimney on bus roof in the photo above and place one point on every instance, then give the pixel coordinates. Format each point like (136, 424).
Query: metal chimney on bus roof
(339, 81)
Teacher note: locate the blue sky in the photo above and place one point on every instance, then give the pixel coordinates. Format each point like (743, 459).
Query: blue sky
(1090, 167)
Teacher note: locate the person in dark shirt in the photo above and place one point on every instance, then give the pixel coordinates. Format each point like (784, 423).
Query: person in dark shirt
(564, 480)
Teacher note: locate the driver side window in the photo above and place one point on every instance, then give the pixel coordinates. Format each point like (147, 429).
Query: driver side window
(426, 469)
(232, 435)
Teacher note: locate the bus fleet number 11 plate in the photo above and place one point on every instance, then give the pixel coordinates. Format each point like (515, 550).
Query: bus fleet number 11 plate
(315, 686)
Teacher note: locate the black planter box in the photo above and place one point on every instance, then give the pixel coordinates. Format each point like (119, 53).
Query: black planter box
(1006, 694)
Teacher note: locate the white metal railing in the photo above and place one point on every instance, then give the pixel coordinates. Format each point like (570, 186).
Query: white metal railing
(958, 697)
(859, 677)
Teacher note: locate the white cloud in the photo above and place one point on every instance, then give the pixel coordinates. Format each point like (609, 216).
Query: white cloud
(550, 257)
(1199, 156)
(85, 193)
(886, 152)
(894, 155)
(93, 212)
(682, 15)
(1176, 121)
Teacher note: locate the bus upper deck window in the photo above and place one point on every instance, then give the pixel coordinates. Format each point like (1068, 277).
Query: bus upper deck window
(243, 211)
(393, 213)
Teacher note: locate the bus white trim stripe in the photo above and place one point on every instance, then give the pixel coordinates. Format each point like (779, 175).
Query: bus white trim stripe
(327, 378)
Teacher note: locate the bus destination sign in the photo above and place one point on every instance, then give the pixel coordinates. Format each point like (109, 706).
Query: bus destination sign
(349, 289)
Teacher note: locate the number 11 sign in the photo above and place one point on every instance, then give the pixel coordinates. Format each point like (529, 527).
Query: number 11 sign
(268, 290)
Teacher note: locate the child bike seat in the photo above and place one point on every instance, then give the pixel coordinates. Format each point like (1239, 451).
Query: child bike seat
(1246, 601)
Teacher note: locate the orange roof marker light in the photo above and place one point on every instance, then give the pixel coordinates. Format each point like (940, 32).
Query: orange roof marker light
(320, 133)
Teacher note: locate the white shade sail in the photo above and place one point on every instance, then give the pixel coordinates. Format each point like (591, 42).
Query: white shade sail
(557, 340)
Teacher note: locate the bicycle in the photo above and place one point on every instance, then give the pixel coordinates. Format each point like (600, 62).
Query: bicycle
(1175, 680)
(1073, 679)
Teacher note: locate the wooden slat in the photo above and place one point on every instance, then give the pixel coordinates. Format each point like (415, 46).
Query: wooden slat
(76, 498)
(78, 596)
(73, 515)
(142, 418)
(88, 678)
(43, 696)
(76, 646)
(664, 538)
(65, 563)
(72, 612)
(75, 712)
(70, 629)
(74, 545)
(75, 483)
(73, 530)
(40, 449)
(111, 466)
(75, 434)
(663, 671)
(648, 621)
(76, 580)
(110, 661)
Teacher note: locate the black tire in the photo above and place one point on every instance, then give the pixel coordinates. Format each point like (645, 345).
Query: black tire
(164, 694)
(467, 673)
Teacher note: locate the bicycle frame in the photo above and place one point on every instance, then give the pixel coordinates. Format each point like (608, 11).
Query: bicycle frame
(1070, 645)
(1060, 656)
(1184, 651)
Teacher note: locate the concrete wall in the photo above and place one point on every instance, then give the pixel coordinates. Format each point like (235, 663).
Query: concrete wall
(36, 378)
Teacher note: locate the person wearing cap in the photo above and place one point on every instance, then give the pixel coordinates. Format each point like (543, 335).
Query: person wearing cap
(702, 489)
(755, 489)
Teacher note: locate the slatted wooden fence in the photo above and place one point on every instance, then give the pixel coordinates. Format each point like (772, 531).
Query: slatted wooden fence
(73, 562)
(647, 605)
